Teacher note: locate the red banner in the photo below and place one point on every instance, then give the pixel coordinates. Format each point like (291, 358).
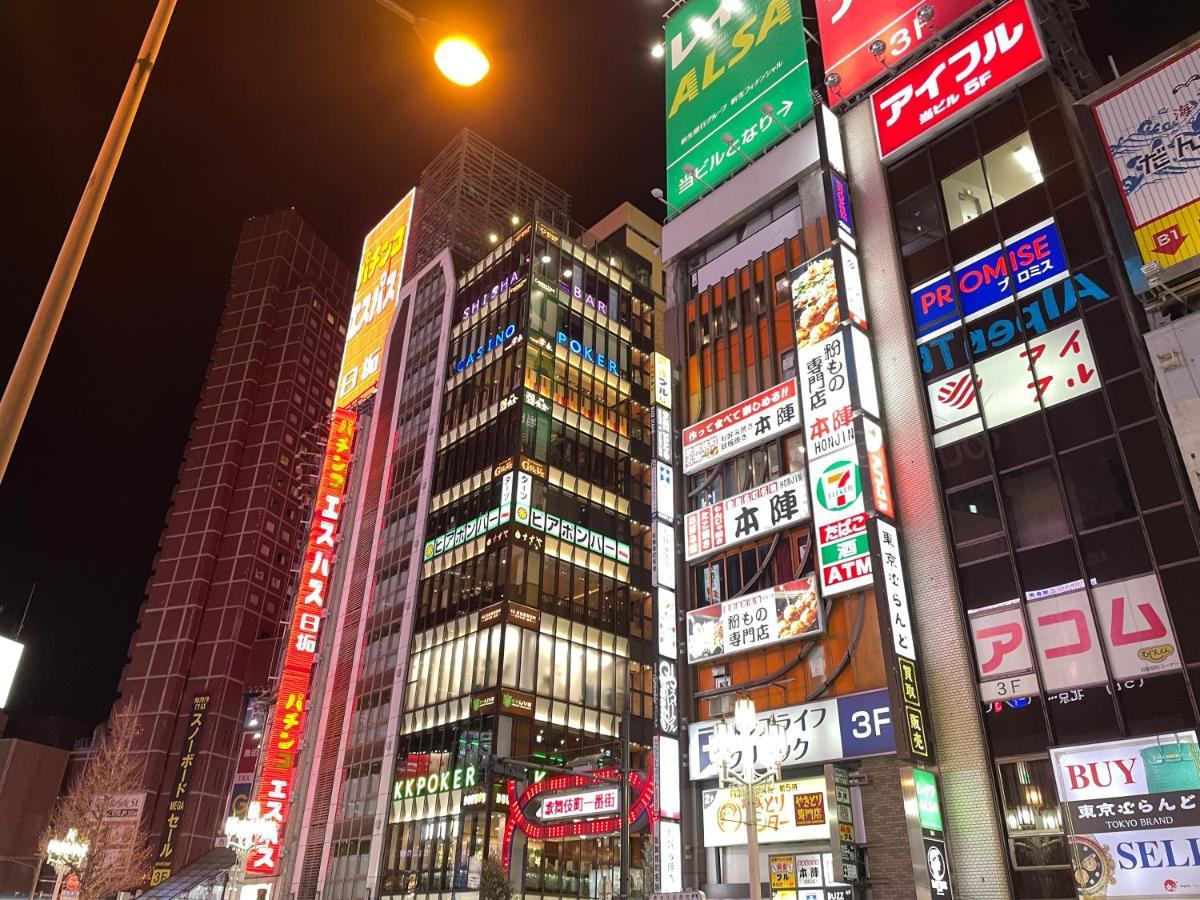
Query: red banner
(287, 721)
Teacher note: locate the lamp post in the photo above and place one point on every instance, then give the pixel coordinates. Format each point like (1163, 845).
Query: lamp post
(749, 755)
(64, 854)
(457, 56)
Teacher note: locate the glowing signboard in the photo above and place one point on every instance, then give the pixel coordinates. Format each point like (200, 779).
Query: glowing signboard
(380, 275)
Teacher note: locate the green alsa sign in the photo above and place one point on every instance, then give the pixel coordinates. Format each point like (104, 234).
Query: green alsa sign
(725, 59)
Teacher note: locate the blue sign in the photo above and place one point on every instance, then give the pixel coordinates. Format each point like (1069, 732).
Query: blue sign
(493, 343)
(842, 209)
(1032, 317)
(1025, 263)
(589, 354)
(866, 723)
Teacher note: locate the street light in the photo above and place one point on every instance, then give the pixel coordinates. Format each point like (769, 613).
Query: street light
(749, 754)
(65, 854)
(458, 57)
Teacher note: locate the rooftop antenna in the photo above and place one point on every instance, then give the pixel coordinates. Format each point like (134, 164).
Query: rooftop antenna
(28, 601)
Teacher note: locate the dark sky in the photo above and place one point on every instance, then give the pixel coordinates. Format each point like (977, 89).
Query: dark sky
(331, 106)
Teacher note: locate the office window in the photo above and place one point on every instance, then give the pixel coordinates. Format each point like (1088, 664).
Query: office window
(965, 193)
(1012, 168)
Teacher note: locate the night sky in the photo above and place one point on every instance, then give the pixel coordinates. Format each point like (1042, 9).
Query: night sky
(330, 106)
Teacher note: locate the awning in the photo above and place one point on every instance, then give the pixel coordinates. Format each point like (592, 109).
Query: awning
(204, 870)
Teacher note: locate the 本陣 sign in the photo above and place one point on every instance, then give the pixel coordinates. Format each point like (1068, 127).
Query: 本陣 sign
(724, 62)
(1133, 815)
(755, 620)
(751, 514)
(380, 275)
(849, 727)
(751, 423)
(849, 28)
(784, 811)
(997, 51)
(1151, 132)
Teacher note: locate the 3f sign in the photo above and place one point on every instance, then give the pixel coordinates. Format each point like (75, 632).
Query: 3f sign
(869, 723)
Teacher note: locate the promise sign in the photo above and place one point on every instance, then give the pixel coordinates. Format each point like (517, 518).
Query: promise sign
(725, 61)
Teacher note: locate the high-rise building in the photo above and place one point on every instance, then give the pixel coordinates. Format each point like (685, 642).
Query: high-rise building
(471, 190)
(209, 626)
(469, 193)
(533, 640)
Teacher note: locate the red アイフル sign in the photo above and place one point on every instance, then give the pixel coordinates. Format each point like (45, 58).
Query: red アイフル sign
(850, 27)
(287, 721)
(997, 51)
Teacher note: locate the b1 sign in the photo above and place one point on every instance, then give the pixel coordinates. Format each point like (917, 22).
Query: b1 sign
(849, 27)
(997, 51)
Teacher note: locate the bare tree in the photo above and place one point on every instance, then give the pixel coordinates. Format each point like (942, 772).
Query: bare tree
(104, 805)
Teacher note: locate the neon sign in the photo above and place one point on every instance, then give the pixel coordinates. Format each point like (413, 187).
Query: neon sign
(435, 783)
(588, 299)
(506, 283)
(493, 343)
(581, 349)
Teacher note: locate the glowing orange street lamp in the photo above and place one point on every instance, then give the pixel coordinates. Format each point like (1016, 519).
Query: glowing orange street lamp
(457, 55)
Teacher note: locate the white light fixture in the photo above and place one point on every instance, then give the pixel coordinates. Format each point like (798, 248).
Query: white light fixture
(494, 238)
(254, 723)
(1028, 159)
(516, 220)
(546, 260)
(566, 273)
(657, 50)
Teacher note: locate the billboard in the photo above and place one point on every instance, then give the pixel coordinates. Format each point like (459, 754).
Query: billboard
(380, 274)
(1000, 50)
(751, 423)
(751, 514)
(1150, 129)
(724, 61)
(1132, 815)
(850, 28)
(10, 657)
(785, 811)
(753, 621)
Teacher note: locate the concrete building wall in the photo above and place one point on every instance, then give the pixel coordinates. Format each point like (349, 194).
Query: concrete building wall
(30, 778)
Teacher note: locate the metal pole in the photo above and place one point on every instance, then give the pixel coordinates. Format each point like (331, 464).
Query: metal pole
(624, 789)
(25, 374)
(59, 870)
(37, 874)
(752, 839)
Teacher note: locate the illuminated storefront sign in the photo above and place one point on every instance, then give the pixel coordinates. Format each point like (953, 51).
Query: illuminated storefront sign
(840, 517)
(666, 764)
(668, 643)
(753, 621)
(852, 31)
(1149, 128)
(666, 697)
(1133, 815)
(752, 514)
(581, 349)
(380, 275)
(282, 739)
(1133, 629)
(505, 284)
(785, 811)
(435, 782)
(662, 380)
(641, 805)
(572, 533)
(476, 527)
(177, 805)
(761, 418)
(825, 396)
(668, 852)
(663, 494)
(750, 54)
(849, 727)
(580, 805)
(498, 341)
(994, 54)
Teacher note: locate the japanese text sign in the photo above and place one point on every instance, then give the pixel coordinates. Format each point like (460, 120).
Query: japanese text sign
(380, 275)
(723, 62)
(177, 801)
(1001, 48)
(755, 620)
(848, 28)
(1150, 129)
(785, 811)
(751, 423)
(752, 514)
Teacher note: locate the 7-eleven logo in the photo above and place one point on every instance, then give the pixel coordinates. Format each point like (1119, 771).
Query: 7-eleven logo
(839, 485)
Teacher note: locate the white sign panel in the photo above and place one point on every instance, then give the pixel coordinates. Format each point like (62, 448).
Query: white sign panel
(668, 630)
(756, 620)
(664, 555)
(753, 514)
(849, 727)
(825, 396)
(10, 657)
(664, 491)
(662, 381)
(604, 802)
(669, 852)
(662, 433)
(1135, 626)
(1003, 657)
(785, 811)
(839, 512)
(761, 418)
(666, 762)
(903, 641)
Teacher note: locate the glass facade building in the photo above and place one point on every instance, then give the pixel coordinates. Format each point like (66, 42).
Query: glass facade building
(531, 626)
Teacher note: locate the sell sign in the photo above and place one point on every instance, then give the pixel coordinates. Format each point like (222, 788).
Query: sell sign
(755, 620)
(724, 62)
(848, 28)
(752, 514)
(996, 52)
(751, 423)
(1133, 815)
(1150, 128)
